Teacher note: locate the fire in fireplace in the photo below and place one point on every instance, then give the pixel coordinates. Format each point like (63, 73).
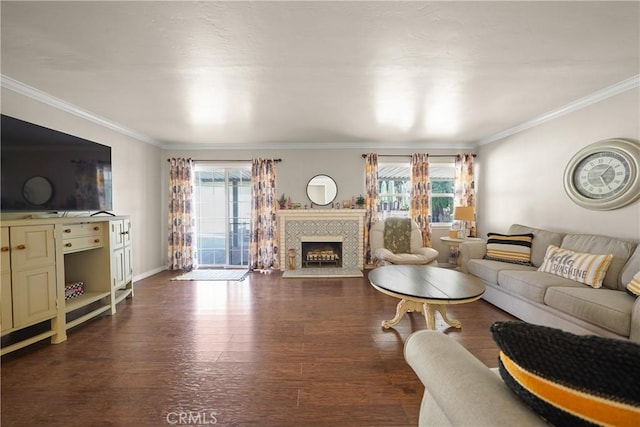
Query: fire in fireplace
(321, 254)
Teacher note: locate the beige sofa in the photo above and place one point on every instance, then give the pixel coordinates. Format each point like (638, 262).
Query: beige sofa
(459, 389)
(550, 300)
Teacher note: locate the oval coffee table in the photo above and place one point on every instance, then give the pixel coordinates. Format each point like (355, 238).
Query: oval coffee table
(425, 289)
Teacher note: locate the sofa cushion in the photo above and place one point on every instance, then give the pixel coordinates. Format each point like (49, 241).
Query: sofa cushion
(632, 267)
(488, 270)
(633, 287)
(570, 379)
(541, 239)
(531, 284)
(512, 248)
(423, 256)
(620, 249)
(579, 266)
(606, 308)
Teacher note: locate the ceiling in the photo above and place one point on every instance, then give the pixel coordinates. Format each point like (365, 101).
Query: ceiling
(309, 74)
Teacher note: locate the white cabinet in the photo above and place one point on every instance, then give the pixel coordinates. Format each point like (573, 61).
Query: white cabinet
(33, 274)
(39, 256)
(121, 259)
(34, 295)
(29, 291)
(120, 242)
(32, 246)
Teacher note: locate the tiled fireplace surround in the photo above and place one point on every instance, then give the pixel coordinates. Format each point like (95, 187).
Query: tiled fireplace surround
(345, 225)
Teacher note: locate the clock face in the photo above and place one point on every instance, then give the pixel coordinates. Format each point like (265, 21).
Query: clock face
(604, 175)
(601, 175)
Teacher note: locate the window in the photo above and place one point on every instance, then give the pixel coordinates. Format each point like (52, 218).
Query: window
(442, 183)
(394, 189)
(223, 214)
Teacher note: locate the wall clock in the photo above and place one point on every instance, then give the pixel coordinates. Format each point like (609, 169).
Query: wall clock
(604, 175)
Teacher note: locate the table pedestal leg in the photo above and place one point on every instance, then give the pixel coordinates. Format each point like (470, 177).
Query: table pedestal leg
(429, 311)
(402, 308)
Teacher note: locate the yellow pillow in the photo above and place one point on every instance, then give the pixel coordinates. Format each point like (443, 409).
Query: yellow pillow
(582, 267)
(513, 248)
(633, 287)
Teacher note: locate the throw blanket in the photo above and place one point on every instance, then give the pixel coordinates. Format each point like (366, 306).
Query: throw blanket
(397, 235)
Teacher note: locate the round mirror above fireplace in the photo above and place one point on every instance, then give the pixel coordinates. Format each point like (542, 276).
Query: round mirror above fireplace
(37, 190)
(322, 190)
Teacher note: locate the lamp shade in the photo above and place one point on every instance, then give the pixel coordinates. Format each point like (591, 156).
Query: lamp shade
(464, 213)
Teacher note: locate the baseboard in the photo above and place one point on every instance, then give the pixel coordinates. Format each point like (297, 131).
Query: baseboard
(148, 273)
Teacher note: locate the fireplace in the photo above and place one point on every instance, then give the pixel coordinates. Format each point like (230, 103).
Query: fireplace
(321, 254)
(342, 229)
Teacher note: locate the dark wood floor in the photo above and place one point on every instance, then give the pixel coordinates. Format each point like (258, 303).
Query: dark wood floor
(265, 351)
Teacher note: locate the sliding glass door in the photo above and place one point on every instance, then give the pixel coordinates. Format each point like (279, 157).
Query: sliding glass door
(223, 214)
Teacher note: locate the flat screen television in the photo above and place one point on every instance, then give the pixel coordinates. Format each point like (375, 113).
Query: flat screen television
(46, 170)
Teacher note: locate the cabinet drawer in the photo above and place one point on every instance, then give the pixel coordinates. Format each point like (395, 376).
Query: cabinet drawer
(81, 244)
(77, 230)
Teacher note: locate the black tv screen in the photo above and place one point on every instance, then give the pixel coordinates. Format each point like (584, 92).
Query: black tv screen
(46, 170)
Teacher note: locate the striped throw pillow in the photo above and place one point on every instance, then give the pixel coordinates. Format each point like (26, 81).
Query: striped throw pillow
(513, 248)
(582, 267)
(633, 287)
(568, 379)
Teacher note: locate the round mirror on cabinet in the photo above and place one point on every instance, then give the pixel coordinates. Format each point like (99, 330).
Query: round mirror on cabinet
(322, 190)
(37, 190)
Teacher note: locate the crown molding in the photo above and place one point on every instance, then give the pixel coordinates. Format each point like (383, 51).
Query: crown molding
(33, 93)
(322, 146)
(601, 95)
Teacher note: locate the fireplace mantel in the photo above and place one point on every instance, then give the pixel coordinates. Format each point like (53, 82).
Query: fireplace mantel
(297, 224)
(321, 213)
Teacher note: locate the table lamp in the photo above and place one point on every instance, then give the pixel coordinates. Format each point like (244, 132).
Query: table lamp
(464, 214)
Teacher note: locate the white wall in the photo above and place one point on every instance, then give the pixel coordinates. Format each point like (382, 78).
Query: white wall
(521, 176)
(346, 167)
(136, 175)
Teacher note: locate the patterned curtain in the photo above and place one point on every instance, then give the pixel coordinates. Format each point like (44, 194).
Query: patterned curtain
(181, 253)
(90, 184)
(371, 200)
(100, 185)
(419, 209)
(464, 184)
(263, 244)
